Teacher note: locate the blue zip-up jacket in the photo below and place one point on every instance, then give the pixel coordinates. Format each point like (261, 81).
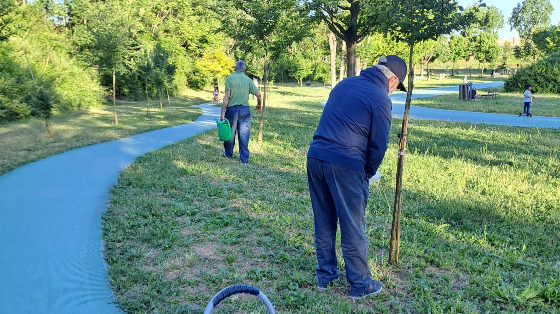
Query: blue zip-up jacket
(354, 128)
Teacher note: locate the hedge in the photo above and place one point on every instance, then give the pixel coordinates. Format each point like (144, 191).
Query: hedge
(544, 75)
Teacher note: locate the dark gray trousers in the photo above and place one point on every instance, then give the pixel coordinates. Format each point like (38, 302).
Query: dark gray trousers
(339, 194)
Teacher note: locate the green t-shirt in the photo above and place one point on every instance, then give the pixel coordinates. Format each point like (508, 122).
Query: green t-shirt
(240, 85)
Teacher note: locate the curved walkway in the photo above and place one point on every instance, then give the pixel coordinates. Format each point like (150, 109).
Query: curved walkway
(399, 99)
(51, 252)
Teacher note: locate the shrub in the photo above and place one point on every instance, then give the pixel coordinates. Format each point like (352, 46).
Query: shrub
(544, 75)
(13, 110)
(37, 55)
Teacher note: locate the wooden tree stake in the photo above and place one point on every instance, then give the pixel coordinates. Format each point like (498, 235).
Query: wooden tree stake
(265, 79)
(114, 100)
(395, 241)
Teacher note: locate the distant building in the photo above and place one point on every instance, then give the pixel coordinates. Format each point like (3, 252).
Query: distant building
(514, 41)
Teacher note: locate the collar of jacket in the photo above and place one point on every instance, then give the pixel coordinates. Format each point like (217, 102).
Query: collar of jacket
(376, 77)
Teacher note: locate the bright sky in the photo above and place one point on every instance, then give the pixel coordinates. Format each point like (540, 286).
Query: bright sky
(506, 6)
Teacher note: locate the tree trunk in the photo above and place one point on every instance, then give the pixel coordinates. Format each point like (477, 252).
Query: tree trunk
(396, 224)
(341, 70)
(115, 101)
(428, 70)
(351, 59)
(167, 91)
(160, 100)
(332, 47)
(265, 84)
(48, 127)
(147, 99)
(452, 68)
(30, 70)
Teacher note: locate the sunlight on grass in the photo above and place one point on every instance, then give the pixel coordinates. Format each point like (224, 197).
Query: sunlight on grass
(25, 141)
(481, 219)
(452, 81)
(506, 103)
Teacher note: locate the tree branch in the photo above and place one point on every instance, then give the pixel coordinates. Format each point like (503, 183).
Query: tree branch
(334, 26)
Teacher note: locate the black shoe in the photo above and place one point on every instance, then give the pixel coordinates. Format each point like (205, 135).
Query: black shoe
(530, 115)
(373, 288)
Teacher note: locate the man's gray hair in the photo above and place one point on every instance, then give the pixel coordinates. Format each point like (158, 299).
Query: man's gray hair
(385, 70)
(239, 66)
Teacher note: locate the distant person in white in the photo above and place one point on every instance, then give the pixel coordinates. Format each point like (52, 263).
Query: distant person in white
(527, 99)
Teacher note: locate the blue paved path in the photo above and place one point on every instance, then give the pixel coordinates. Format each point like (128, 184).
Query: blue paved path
(399, 98)
(51, 252)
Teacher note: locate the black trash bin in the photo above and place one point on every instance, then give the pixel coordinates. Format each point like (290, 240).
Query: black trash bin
(464, 92)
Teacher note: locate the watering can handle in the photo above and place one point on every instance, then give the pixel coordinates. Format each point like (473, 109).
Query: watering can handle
(235, 289)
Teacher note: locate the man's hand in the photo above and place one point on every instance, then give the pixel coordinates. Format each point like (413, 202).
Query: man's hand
(222, 117)
(375, 178)
(259, 108)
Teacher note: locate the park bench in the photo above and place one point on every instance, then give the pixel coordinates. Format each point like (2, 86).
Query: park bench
(492, 93)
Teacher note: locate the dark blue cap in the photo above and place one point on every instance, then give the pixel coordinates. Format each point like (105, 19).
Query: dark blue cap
(397, 66)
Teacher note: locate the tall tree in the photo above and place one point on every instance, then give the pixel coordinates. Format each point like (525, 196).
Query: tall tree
(303, 67)
(342, 58)
(547, 40)
(413, 21)
(527, 16)
(458, 49)
(217, 63)
(7, 15)
(332, 50)
(486, 49)
(526, 51)
(308, 52)
(424, 54)
(349, 20)
(377, 45)
(481, 18)
(441, 50)
(321, 72)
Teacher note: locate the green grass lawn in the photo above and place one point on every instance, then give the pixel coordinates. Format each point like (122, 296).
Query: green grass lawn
(421, 82)
(452, 81)
(480, 228)
(506, 103)
(25, 141)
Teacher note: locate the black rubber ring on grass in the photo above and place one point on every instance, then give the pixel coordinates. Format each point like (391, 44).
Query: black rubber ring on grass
(235, 289)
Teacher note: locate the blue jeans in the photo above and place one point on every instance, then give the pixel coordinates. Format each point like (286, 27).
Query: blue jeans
(240, 119)
(527, 108)
(339, 194)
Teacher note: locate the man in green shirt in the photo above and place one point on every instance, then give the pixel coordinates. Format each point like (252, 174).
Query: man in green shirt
(236, 109)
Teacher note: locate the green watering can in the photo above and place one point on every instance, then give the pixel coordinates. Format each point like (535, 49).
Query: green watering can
(224, 130)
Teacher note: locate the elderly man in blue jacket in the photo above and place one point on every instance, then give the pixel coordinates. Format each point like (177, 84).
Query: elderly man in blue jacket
(347, 148)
